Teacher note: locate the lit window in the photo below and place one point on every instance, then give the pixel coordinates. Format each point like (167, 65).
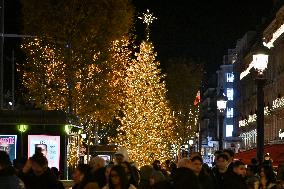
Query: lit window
(229, 130)
(230, 112)
(230, 93)
(230, 77)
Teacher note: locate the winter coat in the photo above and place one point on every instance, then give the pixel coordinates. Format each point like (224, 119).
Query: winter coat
(184, 178)
(9, 180)
(90, 185)
(130, 187)
(44, 181)
(205, 181)
(234, 181)
(99, 177)
(270, 186)
(218, 178)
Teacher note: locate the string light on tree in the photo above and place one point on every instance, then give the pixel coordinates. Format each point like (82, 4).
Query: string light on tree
(146, 129)
(148, 19)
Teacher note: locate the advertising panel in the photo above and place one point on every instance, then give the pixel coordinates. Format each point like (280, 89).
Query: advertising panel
(105, 157)
(48, 145)
(8, 143)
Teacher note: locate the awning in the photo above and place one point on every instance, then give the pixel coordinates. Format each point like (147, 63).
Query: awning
(276, 152)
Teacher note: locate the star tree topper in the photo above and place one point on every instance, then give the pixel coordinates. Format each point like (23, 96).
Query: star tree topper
(148, 19)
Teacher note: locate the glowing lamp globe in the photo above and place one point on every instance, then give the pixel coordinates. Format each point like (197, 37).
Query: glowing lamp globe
(260, 62)
(22, 128)
(260, 57)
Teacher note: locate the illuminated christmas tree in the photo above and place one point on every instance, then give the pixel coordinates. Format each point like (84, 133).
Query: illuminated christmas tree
(71, 69)
(146, 129)
(98, 91)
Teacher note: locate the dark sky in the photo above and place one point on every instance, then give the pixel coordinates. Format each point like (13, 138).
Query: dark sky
(202, 29)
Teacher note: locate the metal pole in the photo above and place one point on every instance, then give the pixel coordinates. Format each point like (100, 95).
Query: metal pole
(2, 56)
(13, 80)
(260, 119)
(221, 120)
(22, 145)
(66, 157)
(88, 149)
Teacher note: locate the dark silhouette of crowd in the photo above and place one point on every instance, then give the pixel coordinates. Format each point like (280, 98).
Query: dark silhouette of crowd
(187, 173)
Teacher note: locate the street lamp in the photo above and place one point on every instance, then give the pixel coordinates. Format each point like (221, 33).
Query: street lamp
(22, 128)
(260, 61)
(221, 106)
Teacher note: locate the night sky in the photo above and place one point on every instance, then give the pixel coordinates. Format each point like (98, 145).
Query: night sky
(202, 29)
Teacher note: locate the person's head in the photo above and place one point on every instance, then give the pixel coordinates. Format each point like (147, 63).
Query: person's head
(230, 153)
(222, 162)
(39, 163)
(55, 172)
(216, 153)
(145, 172)
(156, 177)
(80, 172)
(107, 171)
(239, 168)
(118, 177)
(173, 166)
(268, 173)
(194, 154)
(196, 164)
(132, 173)
(19, 163)
(127, 168)
(183, 162)
(4, 160)
(97, 162)
(42, 148)
(250, 171)
(157, 165)
(121, 155)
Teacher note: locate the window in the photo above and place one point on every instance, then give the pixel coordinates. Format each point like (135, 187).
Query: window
(229, 130)
(230, 77)
(230, 112)
(230, 93)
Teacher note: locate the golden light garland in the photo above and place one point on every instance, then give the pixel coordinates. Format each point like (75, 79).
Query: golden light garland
(146, 129)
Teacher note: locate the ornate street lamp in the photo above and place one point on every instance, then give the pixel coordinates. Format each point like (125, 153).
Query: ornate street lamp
(22, 128)
(260, 61)
(221, 106)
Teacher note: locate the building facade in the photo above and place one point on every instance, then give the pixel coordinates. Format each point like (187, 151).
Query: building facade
(273, 38)
(208, 124)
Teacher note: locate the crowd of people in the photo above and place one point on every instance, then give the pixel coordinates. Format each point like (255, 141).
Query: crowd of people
(188, 173)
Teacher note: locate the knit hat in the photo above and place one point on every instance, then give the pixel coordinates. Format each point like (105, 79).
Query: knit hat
(123, 151)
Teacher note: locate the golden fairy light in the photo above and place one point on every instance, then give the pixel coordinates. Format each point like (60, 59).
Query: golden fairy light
(146, 129)
(101, 87)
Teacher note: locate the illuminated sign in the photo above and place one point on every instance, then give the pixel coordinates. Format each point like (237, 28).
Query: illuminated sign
(105, 157)
(8, 143)
(281, 134)
(48, 145)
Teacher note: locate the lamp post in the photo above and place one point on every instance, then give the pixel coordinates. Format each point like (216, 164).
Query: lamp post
(22, 128)
(221, 106)
(260, 61)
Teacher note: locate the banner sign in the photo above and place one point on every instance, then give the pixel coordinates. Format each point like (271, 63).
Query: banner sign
(48, 145)
(8, 143)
